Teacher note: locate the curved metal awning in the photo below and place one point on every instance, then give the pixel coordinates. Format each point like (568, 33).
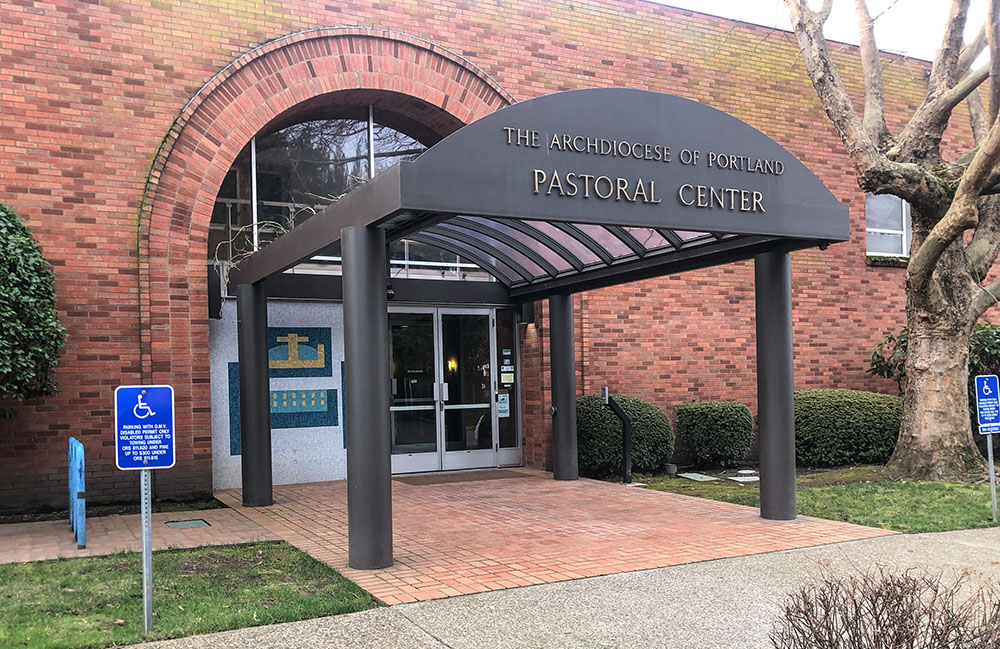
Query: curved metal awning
(584, 189)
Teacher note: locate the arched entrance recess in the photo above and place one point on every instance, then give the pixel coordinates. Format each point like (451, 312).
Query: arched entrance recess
(425, 88)
(555, 195)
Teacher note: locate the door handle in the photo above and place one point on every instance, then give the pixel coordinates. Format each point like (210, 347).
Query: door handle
(444, 392)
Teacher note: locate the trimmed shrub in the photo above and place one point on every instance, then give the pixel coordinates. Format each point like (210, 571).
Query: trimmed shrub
(32, 336)
(715, 432)
(840, 427)
(599, 436)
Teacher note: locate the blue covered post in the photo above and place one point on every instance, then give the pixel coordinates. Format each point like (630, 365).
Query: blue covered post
(77, 493)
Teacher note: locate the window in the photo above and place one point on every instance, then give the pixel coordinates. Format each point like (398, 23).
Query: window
(887, 226)
(284, 177)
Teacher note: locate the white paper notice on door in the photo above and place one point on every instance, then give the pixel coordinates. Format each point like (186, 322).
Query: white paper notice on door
(503, 405)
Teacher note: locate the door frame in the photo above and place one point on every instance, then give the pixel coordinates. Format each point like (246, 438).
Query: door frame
(429, 461)
(476, 458)
(441, 459)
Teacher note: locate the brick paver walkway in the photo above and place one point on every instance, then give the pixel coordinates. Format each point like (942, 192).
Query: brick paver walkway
(20, 542)
(467, 537)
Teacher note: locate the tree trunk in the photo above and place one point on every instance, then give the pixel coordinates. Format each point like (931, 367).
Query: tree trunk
(935, 439)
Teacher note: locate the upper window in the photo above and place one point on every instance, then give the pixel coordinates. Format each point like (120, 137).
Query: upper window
(887, 225)
(282, 178)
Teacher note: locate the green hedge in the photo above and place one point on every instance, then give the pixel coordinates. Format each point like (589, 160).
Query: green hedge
(714, 432)
(841, 427)
(599, 436)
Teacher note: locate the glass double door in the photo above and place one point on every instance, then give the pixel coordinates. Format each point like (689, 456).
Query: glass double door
(443, 375)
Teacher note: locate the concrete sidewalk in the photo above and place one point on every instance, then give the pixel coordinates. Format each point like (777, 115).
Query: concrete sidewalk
(730, 603)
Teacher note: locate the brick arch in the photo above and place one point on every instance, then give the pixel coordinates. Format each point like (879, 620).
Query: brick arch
(418, 81)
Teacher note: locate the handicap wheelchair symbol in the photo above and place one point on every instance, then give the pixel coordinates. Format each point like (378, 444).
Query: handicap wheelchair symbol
(142, 407)
(986, 390)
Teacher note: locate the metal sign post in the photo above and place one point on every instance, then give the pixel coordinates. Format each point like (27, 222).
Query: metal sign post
(993, 475)
(144, 440)
(146, 506)
(988, 414)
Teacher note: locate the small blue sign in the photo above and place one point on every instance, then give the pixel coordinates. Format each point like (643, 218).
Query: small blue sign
(503, 405)
(144, 427)
(988, 403)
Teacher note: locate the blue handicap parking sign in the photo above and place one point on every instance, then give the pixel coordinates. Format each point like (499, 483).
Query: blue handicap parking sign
(144, 427)
(988, 403)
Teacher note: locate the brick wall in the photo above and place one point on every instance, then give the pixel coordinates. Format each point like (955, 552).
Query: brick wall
(112, 150)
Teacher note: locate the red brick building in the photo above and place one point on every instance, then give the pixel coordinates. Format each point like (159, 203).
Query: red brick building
(123, 124)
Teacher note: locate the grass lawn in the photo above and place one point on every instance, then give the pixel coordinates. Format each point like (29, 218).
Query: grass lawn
(861, 495)
(97, 601)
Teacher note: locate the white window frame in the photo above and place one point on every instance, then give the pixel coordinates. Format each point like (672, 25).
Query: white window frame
(906, 231)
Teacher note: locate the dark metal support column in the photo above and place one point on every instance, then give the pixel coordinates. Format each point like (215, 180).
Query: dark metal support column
(366, 355)
(776, 416)
(255, 395)
(563, 385)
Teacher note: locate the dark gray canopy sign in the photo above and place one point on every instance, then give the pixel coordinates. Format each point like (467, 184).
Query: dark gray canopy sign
(587, 188)
(625, 157)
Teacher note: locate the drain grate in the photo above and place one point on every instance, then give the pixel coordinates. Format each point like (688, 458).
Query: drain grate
(184, 525)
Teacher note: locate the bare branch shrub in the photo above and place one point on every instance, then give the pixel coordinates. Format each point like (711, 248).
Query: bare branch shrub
(886, 610)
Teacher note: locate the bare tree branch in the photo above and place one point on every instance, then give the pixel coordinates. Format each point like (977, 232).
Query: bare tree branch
(824, 11)
(944, 71)
(985, 244)
(993, 41)
(961, 215)
(921, 136)
(989, 296)
(874, 117)
(977, 117)
(808, 26)
(877, 172)
(971, 51)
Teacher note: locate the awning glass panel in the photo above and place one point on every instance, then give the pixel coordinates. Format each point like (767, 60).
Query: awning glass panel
(571, 244)
(550, 256)
(649, 238)
(687, 235)
(605, 239)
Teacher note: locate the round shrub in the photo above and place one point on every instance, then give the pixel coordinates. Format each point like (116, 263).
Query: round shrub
(839, 427)
(714, 432)
(32, 336)
(599, 436)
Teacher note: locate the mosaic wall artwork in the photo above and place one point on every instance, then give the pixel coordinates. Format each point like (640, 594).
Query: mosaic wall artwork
(296, 408)
(299, 351)
(305, 350)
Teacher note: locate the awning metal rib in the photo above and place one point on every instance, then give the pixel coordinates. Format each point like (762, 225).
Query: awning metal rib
(626, 237)
(672, 237)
